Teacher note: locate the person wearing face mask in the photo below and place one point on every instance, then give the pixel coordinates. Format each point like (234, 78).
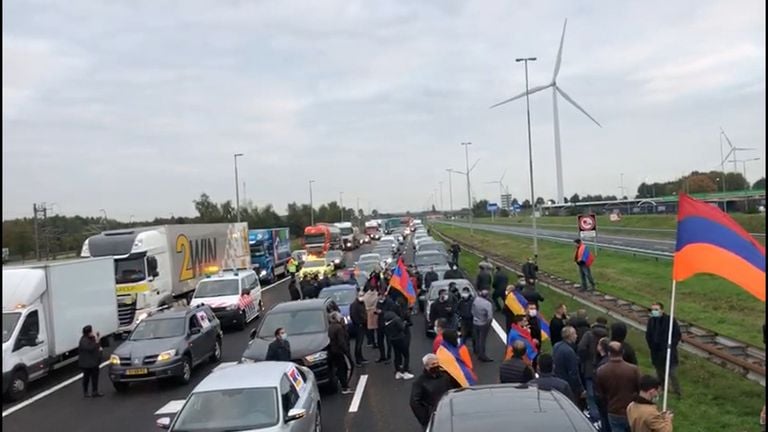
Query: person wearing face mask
(643, 414)
(279, 349)
(482, 316)
(430, 277)
(428, 388)
(359, 317)
(464, 309)
(656, 334)
(442, 308)
(453, 273)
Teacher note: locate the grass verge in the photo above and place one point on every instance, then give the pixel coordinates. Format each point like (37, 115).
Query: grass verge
(714, 399)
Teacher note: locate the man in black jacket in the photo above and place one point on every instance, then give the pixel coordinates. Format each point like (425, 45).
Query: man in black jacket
(338, 351)
(657, 334)
(89, 360)
(581, 323)
(464, 309)
(395, 330)
(530, 271)
(453, 273)
(442, 308)
(567, 362)
(484, 279)
(428, 388)
(516, 369)
(557, 323)
(385, 348)
(587, 351)
(500, 282)
(532, 296)
(547, 379)
(359, 318)
(455, 250)
(430, 277)
(279, 349)
(619, 334)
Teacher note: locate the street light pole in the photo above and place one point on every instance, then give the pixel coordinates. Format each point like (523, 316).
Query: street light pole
(450, 189)
(530, 153)
(442, 207)
(341, 205)
(469, 196)
(237, 188)
(311, 205)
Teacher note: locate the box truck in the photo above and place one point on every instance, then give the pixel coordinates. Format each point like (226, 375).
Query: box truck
(270, 250)
(45, 308)
(160, 265)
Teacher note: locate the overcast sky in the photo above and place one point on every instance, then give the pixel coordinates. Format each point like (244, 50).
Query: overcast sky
(136, 107)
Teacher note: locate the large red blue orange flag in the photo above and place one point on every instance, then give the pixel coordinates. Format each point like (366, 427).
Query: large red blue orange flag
(401, 281)
(457, 363)
(516, 303)
(584, 254)
(710, 241)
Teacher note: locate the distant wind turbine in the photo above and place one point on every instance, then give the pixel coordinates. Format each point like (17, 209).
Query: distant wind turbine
(499, 182)
(555, 90)
(731, 152)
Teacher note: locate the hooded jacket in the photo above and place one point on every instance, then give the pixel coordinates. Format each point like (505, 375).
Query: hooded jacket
(618, 334)
(581, 325)
(587, 349)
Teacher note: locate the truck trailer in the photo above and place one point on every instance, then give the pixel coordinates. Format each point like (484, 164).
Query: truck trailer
(270, 250)
(161, 265)
(45, 308)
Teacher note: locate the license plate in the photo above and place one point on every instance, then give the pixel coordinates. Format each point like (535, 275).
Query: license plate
(140, 371)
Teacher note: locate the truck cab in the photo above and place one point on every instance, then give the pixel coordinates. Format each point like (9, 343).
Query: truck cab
(372, 230)
(317, 240)
(25, 352)
(348, 241)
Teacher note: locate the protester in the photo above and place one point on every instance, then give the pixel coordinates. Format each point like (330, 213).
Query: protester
(508, 313)
(532, 312)
(89, 360)
(642, 413)
(292, 267)
(306, 287)
(557, 323)
(464, 310)
(656, 335)
(602, 358)
(482, 316)
(279, 349)
(394, 329)
(500, 282)
(516, 369)
(484, 279)
(430, 277)
(429, 388)
(442, 308)
(359, 319)
(440, 326)
(547, 379)
(617, 383)
(584, 258)
(530, 271)
(567, 362)
(485, 264)
(453, 273)
(581, 323)
(619, 334)
(455, 250)
(587, 351)
(532, 295)
(338, 351)
(520, 331)
(293, 289)
(383, 305)
(371, 299)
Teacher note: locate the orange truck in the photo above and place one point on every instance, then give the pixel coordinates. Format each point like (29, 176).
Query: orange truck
(317, 239)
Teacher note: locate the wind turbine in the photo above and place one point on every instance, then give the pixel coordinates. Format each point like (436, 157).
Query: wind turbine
(555, 90)
(499, 182)
(731, 152)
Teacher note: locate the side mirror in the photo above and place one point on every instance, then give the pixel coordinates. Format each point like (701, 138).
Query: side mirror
(295, 414)
(152, 266)
(163, 423)
(195, 330)
(252, 335)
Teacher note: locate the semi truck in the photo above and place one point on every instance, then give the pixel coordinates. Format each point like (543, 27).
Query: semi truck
(335, 233)
(348, 240)
(317, 240)
(270, 250)
(372, 230)
(45, 308)
(160, 265)
(390, 225)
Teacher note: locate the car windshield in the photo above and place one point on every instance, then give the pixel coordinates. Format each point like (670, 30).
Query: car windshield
(368, 266)
(314, 239)
(217, 288)
(340, 296)
(333, 255)
(257, 249)
(9, 324)
(314, 264)
(294, 322)
(130, 270)
(159, 329)
(434, 290)
(229, 410)
(431, 259)
(346, 231)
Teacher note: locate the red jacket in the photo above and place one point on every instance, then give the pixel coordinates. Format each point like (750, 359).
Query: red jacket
(436, 343)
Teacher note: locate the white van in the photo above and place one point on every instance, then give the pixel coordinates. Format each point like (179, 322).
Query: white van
(234, 296)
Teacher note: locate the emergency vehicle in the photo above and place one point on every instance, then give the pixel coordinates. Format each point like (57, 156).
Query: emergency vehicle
(234, 296)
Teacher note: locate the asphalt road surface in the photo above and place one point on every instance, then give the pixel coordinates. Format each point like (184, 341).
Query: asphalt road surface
(383, 401)
(639, 244)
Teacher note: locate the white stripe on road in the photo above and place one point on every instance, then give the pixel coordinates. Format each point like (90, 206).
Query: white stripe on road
(499, 331)
(274, 284)
(358, 393)
(171, 407)
(41, 395)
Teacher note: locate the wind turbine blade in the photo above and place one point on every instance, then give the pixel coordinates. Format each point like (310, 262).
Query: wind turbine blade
(728, 140)
(474, 165)
(559, 53)
(725, 159)
(502, 176)
(530, 92)
(743, 148)
(573, 102)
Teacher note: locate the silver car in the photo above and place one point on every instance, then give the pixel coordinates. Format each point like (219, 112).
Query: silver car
(263, 396)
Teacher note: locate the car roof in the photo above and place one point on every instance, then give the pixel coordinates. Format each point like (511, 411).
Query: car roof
(368, 255)
(339, 287)
(298, 305)
(229, 274)
(443, 284)
(174, 312)
(245, 375)
(488, 407)
(429, 252)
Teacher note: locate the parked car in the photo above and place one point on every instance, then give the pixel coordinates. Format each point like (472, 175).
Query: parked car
(266, 396)
(488, 408)
(431, 259)
(167, 344)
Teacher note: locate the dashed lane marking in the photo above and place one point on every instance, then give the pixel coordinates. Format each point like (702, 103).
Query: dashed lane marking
(358, 393)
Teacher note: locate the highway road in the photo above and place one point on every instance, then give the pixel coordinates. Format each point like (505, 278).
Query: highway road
(383, 401)
(629, 244)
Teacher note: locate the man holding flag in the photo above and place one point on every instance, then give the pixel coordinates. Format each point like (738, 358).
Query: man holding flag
(455, 360)
(584, 259)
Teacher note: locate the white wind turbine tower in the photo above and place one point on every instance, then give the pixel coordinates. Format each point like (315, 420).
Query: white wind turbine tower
(555, 90)
(499, 182)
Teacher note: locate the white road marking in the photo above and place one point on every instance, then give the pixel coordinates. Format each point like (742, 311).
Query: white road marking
(224, 365)
(274, 284)
(358, 394)
(41, 395)
(171, 407)
(499, 331)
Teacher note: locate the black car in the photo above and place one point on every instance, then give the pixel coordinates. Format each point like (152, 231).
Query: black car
(306, 323)
(501, 407)
(167, 344)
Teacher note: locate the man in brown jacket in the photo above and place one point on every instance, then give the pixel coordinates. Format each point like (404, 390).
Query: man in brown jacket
(642, 413)
(617, 383)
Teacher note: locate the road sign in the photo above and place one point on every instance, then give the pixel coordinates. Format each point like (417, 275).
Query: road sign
(587, 223)
(492, 207)
(587, 235)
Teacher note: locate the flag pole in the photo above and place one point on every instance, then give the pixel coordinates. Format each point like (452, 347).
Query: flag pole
(669, 346)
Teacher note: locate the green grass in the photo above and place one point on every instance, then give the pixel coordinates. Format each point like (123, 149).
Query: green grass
(714, 399)
(707, 300)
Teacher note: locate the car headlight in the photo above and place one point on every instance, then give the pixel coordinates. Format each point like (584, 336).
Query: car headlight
(166, 355)
(316, 357)
(233, 306)
(247, 360)
(114, 360)
(263, 273)
(322, 275)
(336, 261)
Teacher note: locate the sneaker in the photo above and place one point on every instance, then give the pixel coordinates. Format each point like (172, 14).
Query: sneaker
(347, 390)
(406, 376)
(398, 375)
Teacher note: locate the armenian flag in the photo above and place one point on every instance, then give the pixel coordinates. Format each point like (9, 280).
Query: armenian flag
(544, 326)
(401, 281)
(516, 303)
(710, 241)
(457, 363)
(584, 254)
(518, 333)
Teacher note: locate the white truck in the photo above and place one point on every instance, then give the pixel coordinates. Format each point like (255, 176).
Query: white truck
(348, 241)
(373, 230)
(45, 308)
(161, 265)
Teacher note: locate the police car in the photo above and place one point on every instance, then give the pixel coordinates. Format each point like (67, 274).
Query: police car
(233, 295)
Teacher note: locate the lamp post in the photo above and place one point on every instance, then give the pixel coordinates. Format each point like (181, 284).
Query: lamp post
(469, 196)
(341, 205)
(237, 188)
(442, 207)
(530, 153)
(311, 206)
(450, 189)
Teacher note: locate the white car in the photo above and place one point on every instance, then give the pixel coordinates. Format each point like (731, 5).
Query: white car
(233, 296)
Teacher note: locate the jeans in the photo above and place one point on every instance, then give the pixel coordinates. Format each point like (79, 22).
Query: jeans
(594, 411)
(402, 356)
(385, 347)
(90, 375)
(586, 275)
(467, 329)
(359, 338)
(481, 335)
(618, 423)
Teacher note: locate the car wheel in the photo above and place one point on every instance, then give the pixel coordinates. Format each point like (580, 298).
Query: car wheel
(318, 420)
(216, 355)
(120, 387)
(186, 371)
(242, 321)
(18, 387)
